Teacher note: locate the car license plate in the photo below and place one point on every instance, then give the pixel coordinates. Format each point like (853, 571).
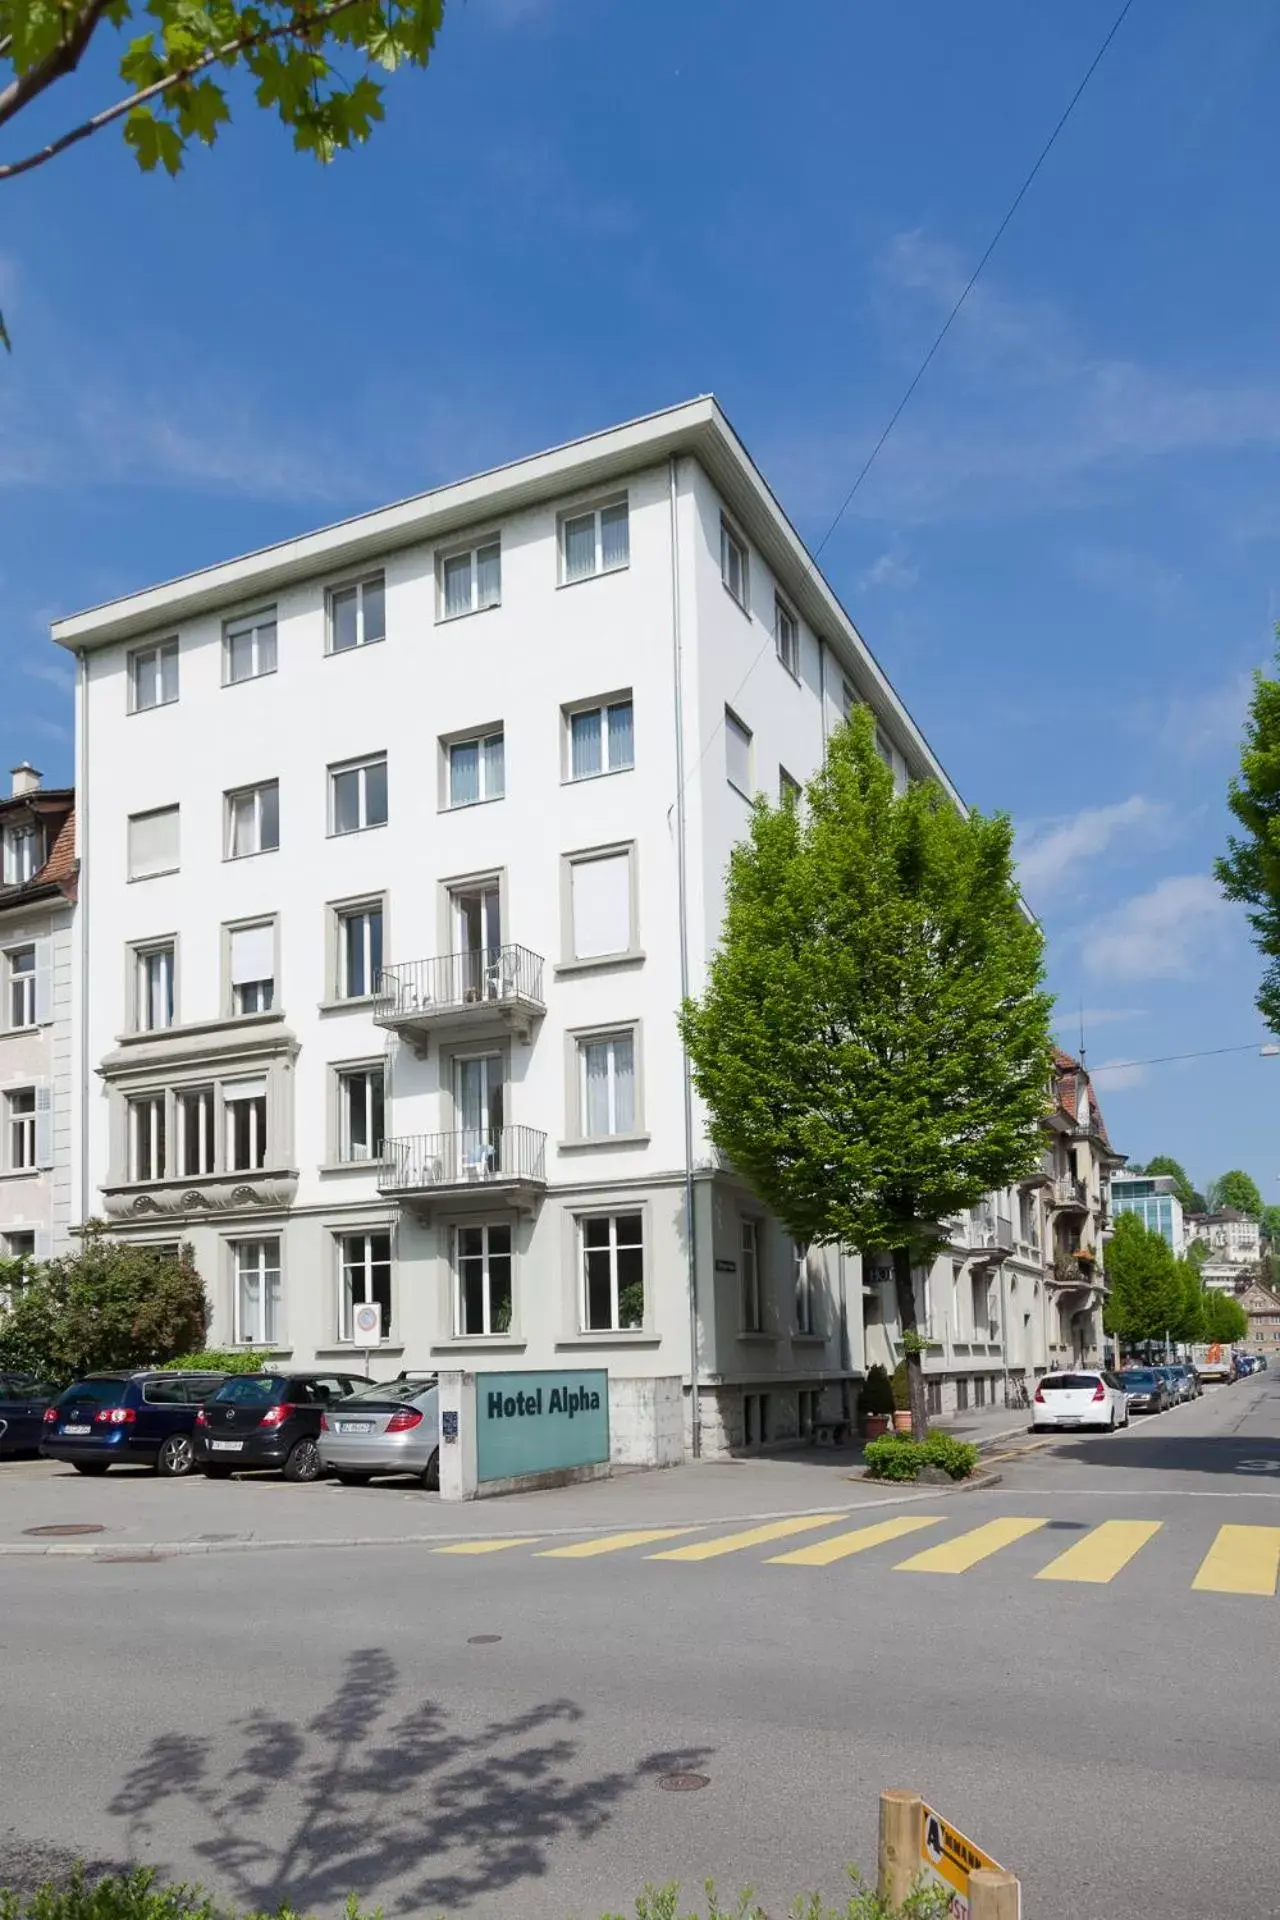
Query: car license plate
(77, 1429)
(1068, 1420)
(355, 1426)
(226, 1446)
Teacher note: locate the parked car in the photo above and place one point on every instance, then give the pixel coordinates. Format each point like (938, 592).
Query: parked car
(269, 1420)
(1083, 1399)
(22, 1404)
(1191, 1380)
(393, 1428)
(1174, 1386)
(128, 1419)
(1145, 1389)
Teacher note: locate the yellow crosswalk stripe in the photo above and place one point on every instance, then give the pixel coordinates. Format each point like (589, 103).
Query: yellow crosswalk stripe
(1241, 1560)
(489, 1546)
(965, 1551)
(823, 1553)
(612, 1543)
(1102, 1553)
(752, 1537)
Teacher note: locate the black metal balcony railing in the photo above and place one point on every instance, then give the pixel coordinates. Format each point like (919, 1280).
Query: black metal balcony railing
(1070, 1192)
(472, 1157)
(416, 990)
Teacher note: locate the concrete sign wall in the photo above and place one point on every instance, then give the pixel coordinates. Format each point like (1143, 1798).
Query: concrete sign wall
(540, 1422)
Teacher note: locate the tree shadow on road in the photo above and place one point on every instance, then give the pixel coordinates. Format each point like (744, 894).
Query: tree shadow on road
(407, 1808)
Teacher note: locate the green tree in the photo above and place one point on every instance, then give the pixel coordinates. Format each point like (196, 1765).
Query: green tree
(1269, 1219)
(1188, 1321)
(873, 1043)
(1238, 1190)
(1164, 1163)
(1250, 870)
(1224, 1318)
(1146, 1299)
(108, 1305)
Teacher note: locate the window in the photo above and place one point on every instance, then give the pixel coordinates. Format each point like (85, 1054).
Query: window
(979, 1287)
(933, 1397)
(19, 1246)
(752, 1306)
(153, 988)
(251, 967)
(788, 789)
(807, 1411)
(607, 1085)
(482, 1263)
(737, 753)
(23, 854)
(360, 1113)
(146, 1137)
(600, 905)
(803, 1282)
(250, 646)
(733, 563)
(755, 1419)
(357, 614)
(477, 769)
(153, 843)
(257, 1270)
(365, 1261)
(194, 1113)
(962, 1396)
(598, 541)
(612, 1272)
(153, 676)
(22, 986)
(244, 1105)
(20, 1109)
(601, 739)
(471, 580)
(358, 795)
(786, 636)
(253, 820)
(359, 951)
(980, 1391)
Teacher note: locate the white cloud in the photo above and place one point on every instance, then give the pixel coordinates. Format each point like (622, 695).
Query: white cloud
(1049, 857)
(1201, 721)
(891, 570)
(1167, 933)
(1118, 1075)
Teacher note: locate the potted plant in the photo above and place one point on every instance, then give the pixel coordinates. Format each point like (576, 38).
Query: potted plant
(876, 1405)
(901, 1399)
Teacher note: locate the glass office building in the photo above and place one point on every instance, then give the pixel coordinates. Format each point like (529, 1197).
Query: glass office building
(1153, 1199)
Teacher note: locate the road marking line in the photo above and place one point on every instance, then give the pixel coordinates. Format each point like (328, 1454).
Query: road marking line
(489, 1546)
(1241, 1560)
(1101, 1555)
(612, 1543)
(825, 1552)
(958, 1555)
(753, 1537)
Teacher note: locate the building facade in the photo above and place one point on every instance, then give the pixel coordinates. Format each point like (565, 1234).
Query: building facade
(1262, 1304)
(37, 906)
(1154, 1198)
(1234, 1243)
(403, 843)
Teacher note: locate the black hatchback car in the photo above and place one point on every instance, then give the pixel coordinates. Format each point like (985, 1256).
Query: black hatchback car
(269, 1420)
(128, 1419)
(22, 1404)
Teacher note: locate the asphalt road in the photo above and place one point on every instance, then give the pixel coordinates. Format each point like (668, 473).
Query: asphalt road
(302, 1725)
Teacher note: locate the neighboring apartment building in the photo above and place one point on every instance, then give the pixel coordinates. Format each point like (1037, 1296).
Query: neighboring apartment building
(1262, 1304)
(1079, 1164)
(402, 842)
(37, 907)
(1154, 1198)
(1234, 1240)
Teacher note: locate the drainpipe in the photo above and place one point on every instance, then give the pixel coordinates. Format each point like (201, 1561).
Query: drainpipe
(682, 891)
(822, 690)
(82, 916)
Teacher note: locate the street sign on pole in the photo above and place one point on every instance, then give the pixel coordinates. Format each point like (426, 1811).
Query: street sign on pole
(367, 1324)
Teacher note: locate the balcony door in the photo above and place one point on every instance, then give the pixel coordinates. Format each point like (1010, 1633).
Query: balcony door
(477, 1093)
(477, 917)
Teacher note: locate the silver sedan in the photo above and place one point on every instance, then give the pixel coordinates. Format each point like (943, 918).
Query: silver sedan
(392, 1428)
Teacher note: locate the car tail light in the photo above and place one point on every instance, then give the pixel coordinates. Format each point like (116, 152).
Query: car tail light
(202, 1418)
(402, 1421)
(1099, 1392)
(324, 1423)
(50, 1415)
(1039, 1396)
(275, 1416)
(114, 1417)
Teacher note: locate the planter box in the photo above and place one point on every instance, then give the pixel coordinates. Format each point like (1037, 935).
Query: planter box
(875, 1426)
(902, 1420)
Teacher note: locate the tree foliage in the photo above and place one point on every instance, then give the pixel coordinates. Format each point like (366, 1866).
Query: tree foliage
(108, 1305)
(1238, 1190)
(873, 1043)
(1165, 1163)
(1269, 1219)
(1224, 1318)
(1250, 870)
(1147, 1299)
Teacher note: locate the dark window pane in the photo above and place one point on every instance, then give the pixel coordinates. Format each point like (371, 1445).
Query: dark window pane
(499, 1291)
(630, 1232)
(375, 809)
(375, 610)
(270, 816)
(599, 1293)
(595, 1233)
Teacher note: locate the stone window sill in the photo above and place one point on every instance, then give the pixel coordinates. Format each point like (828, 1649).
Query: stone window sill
(630, 1338)
(600, 963)
(481, 1343)
(605, 1140)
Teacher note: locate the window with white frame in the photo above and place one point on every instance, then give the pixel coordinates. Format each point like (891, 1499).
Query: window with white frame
(612, 1254)
(597, 540)
(153, 676)
(737, 753)
(20, 964)
(471, 580)
(359, 950)
(733, 563)
(23, 853)
(803, 1287)
(153, 992)
(607, 1084)
(357, 614)
(601, 739)
(482, 1280)
(600, 910)
(786, 636)
(788, 789)
(752, 1304)
(253, 820)
(20, 1114)
(980, 1289)
(358, 795)
(197, 1136)
(257, 1278)
(244, 1107)
(153, 843)
(249, 646)
(251, 966)
(18, 1246)
(364, 1261)
(361, 1106)
(147, 1136)
(477, 769)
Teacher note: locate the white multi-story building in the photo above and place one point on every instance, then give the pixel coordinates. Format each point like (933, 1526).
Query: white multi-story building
(402, 843)
(1234, 1241)
(37, 906)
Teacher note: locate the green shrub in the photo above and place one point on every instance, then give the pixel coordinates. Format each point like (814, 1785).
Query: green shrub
(956, 1457)
(862, 1903)
(894, 1456)
(220, 1360)
(877, 1393)
(901, 1391)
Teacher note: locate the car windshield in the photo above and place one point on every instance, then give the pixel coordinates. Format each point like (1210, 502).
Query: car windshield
(96, 1393)
(251, 1390)
(1138, 1377)
(1068, 1382)
(395, 1392)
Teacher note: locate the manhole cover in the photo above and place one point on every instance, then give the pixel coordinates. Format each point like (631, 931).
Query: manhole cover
(683, 1782)
(483, 1639)
(65, 1531)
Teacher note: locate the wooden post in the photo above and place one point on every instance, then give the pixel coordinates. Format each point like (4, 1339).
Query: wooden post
(898, 1863)
(993, 1894)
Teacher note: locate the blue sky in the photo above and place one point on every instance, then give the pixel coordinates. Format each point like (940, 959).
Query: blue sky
(1067, 555)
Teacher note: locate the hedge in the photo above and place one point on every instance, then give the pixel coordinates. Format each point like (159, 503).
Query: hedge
(897, 1457)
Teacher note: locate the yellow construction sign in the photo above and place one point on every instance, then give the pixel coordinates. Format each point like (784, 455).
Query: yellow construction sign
(947, 1859)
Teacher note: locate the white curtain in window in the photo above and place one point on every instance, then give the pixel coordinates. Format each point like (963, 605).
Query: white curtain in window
(580, 546)
(601, 906)
(153, 842)
(252, 955)
(622, 747)
(457, 584)
(737, 750)
(610, 1086)
(489, 575)
(615, 536)
(597, 1075)
(494, 768)
(464, 773)
(584, 741)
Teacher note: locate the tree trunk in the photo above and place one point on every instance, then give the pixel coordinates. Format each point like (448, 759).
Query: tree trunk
(904, 1287)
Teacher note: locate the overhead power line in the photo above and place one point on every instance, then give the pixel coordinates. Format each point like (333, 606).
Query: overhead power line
(1205, 1053)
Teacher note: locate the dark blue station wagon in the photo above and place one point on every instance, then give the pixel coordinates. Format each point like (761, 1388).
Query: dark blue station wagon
(128, 1419)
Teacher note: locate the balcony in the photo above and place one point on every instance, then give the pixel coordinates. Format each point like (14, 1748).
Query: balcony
(484, 990)
(991, 1237)
(1069, 1195)
(478, 1167)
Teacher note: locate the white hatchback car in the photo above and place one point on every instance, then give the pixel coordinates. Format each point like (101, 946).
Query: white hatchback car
(1083, 1399)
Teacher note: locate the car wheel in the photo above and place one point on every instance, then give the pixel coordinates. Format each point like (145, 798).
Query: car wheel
(431, 1473)
(90, 1466)
(351, 1479)
(212, 1472)
(303, 1462)
(1111, 1424)
(176, 1457)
